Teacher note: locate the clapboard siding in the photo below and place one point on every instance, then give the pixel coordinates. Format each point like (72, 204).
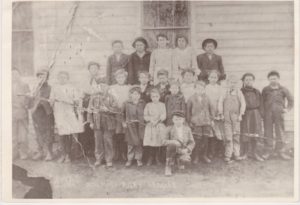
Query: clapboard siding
(252, 36)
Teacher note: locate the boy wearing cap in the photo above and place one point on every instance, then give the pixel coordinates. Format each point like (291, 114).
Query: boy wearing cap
(134, 124)
(179, 142)
(274, 99)
(116, 61)
(163, 85)
(209, 60)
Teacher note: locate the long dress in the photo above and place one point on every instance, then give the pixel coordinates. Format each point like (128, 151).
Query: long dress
(68, 119)
(155, 133)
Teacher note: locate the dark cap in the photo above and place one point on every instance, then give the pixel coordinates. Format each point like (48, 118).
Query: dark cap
(135, 88)
(178, 113)
(162, 72)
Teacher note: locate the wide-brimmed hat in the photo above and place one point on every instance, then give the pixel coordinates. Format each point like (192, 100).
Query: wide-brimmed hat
(209, 40)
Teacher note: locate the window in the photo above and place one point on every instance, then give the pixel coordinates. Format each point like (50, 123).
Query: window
(167, 17)
(22, 38)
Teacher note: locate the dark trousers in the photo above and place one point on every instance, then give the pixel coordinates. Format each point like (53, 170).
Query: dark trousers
(66, 144)
(104, 145)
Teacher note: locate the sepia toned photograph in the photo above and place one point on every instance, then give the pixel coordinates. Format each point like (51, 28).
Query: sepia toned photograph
(153, 99)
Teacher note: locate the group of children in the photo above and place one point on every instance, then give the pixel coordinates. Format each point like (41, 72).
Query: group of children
(158, 113)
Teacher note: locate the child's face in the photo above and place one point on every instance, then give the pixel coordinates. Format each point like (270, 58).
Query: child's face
(94, 70)
(174, 89)
(210, 48)
(135, 96)
(200, 89)
(143, 78)
(163, 79)
(274, 80)
(178, 121)
(248, 81)
(181, 43)
(121, 79)
(232, 83)
(213, 78)
(139, 46)
(155, 97)
(188, 77)
(63, 79)
(117, 48)
(15, 76)
(162, 42)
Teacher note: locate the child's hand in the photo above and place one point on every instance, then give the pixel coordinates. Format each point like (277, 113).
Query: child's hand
(240, 118)
(212, 123)
(124, 124)
(92, 125)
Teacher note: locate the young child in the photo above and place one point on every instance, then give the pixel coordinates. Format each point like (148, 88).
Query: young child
(209, 60)
(274, 99)
(179, 142)
(144, 78)
(174, 101)
(163, 84)
(103, 108)
(20, 106)
(184, 57)
(200, 118)
(154, 115)
(188, 83)
(232, 107)
(42, 116)
(121, 93)
(214, 91)
(251, 125)
(117, 60)
(133, 122)
(161, 58)
(66, 100)
(139, 61)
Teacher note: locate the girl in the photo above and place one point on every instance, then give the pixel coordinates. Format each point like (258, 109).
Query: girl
(133, 122)
(120, 91)
(68, 120)
(161, 58)
(188, 83)
(139, 60)
(251, 125)
(214, 91)
(184, 57)
(174, 102)
(154, 115)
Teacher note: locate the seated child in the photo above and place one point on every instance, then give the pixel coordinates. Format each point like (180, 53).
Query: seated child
(133, 122)
(188, 83)
(251, 126)
(144, 79)
(116, 61)
(68, 119)
(200, 118)
(232, 107)
(120, 91)
(154, 115)
(161, 58)
(209, 61)
(174, 102)
(179, 142)
(103, 108)
(163, 85)
(274, 99)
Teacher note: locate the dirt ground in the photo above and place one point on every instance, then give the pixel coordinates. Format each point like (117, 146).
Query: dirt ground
(273, 178)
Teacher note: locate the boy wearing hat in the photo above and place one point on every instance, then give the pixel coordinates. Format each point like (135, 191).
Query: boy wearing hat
(274, 99)
(179, 142)
(163, 84)
(209, 60)
(116, 61)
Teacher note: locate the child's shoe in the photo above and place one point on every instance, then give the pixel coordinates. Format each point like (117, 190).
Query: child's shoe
(284, 156)
(49, 157)
(181, 167)
(266, 156)
(206, 160)
(97, 163)
(109, 164)
(139, 163)
(258, 158)
(128, 163)
(227, 160)
(238, 158)
(244, 157)
(61, 159)
(67, 159)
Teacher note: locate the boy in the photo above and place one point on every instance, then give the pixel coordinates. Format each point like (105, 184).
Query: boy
(274, 96)
(209, 60)
(144, 78)
(102, 118)
(163, 84)
(179, 142)
(200, 118)
(116, 61)
(188, 83)
(232, 107)
(20, 106)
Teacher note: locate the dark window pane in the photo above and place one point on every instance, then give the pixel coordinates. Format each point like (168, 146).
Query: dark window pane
(181, 13)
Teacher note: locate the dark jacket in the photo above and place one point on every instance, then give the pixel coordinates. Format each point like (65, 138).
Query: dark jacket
(146, 94)
(253, 99)
(174, 103)
(137, 64)
(113, 65)
(206, 65)
(163, 91)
